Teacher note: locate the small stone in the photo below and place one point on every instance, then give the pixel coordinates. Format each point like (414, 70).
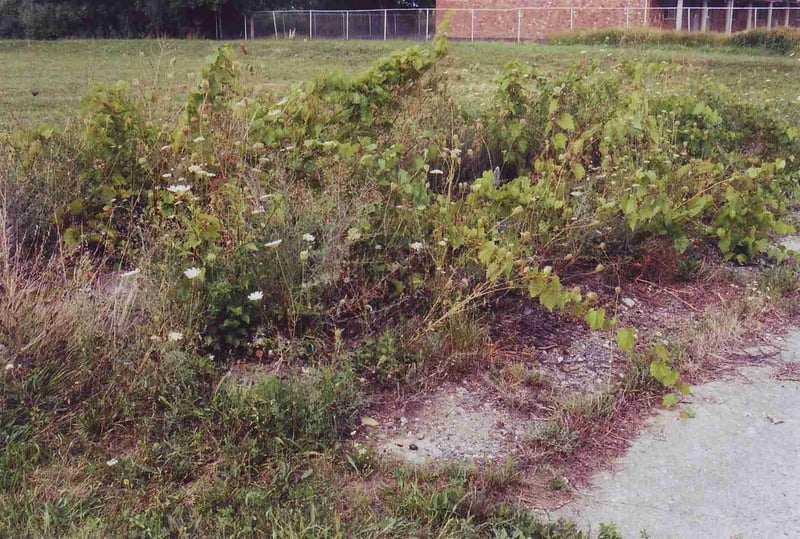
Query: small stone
(403, 420)
(413, 447)
(628, 302)
(420, 436)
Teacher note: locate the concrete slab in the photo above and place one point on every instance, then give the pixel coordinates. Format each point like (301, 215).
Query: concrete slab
(731, 471)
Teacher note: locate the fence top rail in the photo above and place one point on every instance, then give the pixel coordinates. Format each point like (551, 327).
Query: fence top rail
(515, 10)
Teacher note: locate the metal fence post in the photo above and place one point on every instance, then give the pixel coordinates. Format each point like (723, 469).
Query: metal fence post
(385, 22)
(252, 28)
(644, 22)
(275, 23)
(310, 24)
(347, 25)
(245, 27)
(472, 25)
(427, 19)
(519, 25)
(627, 17)
(571, 18)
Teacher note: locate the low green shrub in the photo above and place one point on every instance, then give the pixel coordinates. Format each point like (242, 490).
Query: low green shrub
(776, 40)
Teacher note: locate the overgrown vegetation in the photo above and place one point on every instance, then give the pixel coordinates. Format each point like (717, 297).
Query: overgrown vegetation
(197, 306)
(776, 41)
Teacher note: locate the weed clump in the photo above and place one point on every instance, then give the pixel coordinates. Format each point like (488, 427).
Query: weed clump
(329, 247)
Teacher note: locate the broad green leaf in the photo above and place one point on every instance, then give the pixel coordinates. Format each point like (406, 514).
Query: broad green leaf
(559, 141)
(595, 318)
(681, 244)
(579, 171)
(626, 338)
(566, 122)
(670, 400)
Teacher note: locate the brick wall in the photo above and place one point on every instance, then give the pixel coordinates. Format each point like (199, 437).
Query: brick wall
(540, 23)
(535, 24)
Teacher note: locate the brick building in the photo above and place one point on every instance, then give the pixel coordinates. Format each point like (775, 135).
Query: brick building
(536, 19)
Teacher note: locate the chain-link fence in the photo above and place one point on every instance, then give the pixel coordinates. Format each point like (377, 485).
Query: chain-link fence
(521, 24)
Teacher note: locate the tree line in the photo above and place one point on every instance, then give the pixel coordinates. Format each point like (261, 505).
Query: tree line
(51, 19)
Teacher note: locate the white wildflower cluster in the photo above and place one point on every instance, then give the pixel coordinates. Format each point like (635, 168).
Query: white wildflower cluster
(193, 273)
(179, 188)
(197, 170)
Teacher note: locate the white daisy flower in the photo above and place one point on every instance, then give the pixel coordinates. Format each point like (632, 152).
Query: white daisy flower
(437, 171)
(131, 273)
(112, 462)
(179, 188)
(175, 336)
(200, 139)
(416, 246)
(166, 176)
(308, 237)
(258, 295)
(9, 366)
(273, 244)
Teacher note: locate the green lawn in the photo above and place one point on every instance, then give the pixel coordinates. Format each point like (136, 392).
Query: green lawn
(63, 70)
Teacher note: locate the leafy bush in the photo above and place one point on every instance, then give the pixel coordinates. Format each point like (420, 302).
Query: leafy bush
(351, 234)
(776, 40)
(638, 37)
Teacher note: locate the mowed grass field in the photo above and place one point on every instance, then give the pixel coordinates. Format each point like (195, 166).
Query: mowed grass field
(62, 71)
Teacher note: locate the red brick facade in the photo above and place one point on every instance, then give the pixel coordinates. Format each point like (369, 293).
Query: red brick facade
(532, 20)
(490, 22)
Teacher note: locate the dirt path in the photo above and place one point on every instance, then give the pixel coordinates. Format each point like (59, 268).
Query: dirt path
(731, 471)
